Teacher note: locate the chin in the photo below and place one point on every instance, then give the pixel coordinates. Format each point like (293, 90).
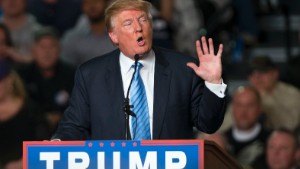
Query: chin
(143, 51)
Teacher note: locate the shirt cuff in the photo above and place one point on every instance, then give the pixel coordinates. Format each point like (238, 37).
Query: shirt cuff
(218, 89)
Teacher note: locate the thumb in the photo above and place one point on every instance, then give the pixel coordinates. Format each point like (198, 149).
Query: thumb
(192, 66)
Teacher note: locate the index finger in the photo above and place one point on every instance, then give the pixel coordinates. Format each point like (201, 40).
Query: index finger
(199, 50)
(219, 54)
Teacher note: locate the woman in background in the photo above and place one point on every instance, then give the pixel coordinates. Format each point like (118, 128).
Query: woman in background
(17, 122)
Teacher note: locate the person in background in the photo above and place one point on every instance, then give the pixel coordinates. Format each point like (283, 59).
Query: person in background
(5, 43)
(186, 22)
(281, 150)
(162, 33)
(280, 101)
(48, 80)
(21, 25)
(165, 8)
(297, 133)
(60, 14)
(247, 137)
(90, 38)
(17, 121)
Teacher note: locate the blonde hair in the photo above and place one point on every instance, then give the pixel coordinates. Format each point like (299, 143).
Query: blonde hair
(18, 90)
(121, 5)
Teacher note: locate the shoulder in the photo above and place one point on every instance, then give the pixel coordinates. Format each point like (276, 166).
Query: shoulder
(288, 88)
(74, 35)
(26, 71)
(102, 62)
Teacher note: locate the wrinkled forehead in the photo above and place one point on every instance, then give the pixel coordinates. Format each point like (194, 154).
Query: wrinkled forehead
(129, 14)
(281, 139)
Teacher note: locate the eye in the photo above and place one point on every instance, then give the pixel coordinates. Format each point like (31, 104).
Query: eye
(143, 19)
(127, 23)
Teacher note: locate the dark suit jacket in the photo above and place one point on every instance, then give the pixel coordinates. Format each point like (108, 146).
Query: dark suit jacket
(181, 100)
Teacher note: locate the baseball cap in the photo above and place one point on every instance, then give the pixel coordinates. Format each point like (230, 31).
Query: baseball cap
(261, 64)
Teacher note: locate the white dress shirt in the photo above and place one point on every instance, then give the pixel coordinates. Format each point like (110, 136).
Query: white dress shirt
(147, 74)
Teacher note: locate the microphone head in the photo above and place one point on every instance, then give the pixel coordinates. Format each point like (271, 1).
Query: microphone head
(136, 57)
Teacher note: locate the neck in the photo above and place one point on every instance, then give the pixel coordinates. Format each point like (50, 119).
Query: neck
(14, 22)
(98, 28)
(141, 56)
(271, 89)
(48, 73)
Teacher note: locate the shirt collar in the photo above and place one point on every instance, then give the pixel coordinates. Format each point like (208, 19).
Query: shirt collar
(147, 60)
(243, 136)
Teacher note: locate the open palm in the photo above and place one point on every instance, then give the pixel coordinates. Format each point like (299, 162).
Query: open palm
(210, 66)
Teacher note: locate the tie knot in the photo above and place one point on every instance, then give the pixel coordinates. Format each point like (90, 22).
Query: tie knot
(138, 67)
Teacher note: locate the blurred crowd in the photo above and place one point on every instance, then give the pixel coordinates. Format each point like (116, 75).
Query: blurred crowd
(43, 41)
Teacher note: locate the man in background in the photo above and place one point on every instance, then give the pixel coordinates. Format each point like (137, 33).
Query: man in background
(280, 101)
(247, 137)
(89, 38)
(22, 26)
(48, 80)
(60, 14)
(281, 150)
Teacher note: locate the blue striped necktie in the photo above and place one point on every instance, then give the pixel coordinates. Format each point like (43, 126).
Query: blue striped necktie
(140, 125)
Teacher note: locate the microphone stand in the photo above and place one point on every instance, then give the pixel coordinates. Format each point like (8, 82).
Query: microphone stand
(126, 105)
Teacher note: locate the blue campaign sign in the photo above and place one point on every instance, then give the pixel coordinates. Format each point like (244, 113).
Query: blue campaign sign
(156, 154)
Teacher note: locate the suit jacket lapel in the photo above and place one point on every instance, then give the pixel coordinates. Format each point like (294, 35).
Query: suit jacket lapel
(116, 93)
(162, 79)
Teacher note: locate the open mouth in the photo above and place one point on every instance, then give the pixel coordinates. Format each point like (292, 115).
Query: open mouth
(140, 41)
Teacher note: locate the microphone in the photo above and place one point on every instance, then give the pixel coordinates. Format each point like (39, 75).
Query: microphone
(126, 100)
(126, 105)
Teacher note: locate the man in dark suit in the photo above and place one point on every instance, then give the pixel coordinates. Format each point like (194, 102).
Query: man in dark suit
(179, 93)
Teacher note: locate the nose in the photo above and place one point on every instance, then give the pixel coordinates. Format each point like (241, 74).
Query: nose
(138, 26)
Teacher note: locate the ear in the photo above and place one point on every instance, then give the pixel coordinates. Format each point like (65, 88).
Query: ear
(113, 37)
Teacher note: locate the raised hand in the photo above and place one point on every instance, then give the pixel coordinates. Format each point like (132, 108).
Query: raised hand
(210, 66)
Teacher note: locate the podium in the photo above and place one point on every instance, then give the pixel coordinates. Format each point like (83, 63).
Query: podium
(216, 157)
(154, 154)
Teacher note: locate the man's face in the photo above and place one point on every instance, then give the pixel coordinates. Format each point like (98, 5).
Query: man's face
(46, 52)
(132, 32)
(280, 151)
(245, 109)
(264, 81)
(13, 7)
(94, 9)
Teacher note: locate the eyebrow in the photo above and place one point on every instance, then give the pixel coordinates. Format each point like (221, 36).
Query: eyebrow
(142, 15)
(130, 19)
